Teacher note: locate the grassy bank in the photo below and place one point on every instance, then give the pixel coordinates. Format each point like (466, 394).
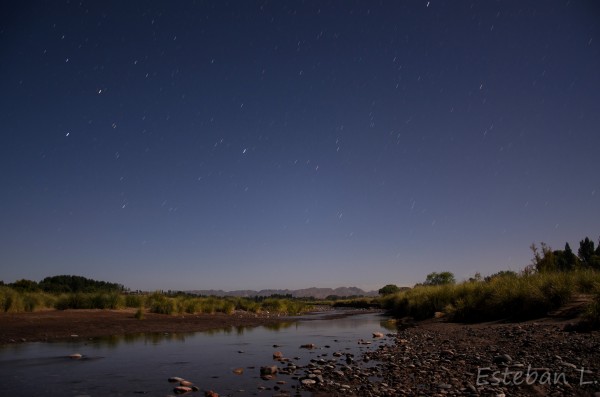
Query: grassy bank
(12, 300)
(514, 297)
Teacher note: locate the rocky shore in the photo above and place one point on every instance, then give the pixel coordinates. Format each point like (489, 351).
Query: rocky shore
(548, 357)
(436, 358)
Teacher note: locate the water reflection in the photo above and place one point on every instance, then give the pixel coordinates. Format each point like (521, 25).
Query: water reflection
(113, 341)
(143, 362)
(391, 324)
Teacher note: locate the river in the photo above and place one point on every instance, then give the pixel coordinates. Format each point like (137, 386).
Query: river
(141, 364)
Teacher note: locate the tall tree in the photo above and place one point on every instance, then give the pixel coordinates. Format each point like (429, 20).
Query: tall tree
(439, 278)
(389, 289)
(586, 252)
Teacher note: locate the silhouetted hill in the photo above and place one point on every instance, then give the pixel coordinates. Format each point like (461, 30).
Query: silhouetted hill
(319, 293)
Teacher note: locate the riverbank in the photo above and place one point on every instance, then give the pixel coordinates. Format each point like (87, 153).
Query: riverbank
(437, 358)
(58, 325)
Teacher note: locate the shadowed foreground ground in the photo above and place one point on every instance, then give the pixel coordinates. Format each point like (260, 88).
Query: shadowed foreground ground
(429, 358)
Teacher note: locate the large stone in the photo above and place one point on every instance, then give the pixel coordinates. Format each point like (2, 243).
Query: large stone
(308, 382)
(502, 359)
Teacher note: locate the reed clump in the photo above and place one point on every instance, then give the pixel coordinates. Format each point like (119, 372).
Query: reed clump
(506, 296)
(14, 301)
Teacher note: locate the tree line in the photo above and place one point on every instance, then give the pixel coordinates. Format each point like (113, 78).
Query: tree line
(548, 260)
(545, 261)
(64, 284)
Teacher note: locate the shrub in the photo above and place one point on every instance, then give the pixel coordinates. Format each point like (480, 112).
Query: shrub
(10, 300)
(134, 301)
(139, 314)
(73, 301)
(160, 304)
(247, 305)
(504, 296)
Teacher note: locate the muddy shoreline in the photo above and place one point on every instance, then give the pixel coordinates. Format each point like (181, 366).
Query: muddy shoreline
(60, 325)
(82, 324)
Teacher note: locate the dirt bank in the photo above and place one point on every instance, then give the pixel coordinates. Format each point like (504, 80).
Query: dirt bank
(55, 325)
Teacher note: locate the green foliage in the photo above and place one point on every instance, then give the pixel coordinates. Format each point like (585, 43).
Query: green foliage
(247, 305)
(588, 255)
(501, 273)
(389, 289)
(10, 300)
(63, 283)
(159, 303)
(139, 314)
(134, 301)
(80, 300)
(503, 296)
(359, 303)
(549, 260)
(439, 278)
(283, 306)
(25, 286)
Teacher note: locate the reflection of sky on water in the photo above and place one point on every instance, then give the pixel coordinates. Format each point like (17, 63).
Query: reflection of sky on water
(142, 363)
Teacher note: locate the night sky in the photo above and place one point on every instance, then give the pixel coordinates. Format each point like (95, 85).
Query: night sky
(288, 144)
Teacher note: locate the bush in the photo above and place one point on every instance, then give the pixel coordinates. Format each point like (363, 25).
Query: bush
(134, 301)
(504, 296)
(10, 300)
(139, 314)
(247, 305)
(160, 304)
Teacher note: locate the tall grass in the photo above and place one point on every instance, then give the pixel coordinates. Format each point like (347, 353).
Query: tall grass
(161, 304)
(504, 297)
(97, 300)
(14, 301)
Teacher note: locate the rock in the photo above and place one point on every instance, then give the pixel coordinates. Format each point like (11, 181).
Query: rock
(238, 371)
(502, 359)
(75, 356)
(182, 389)
(174, 379)
(210, 393)
(377, 335)
(269, 370)
(308, 346)
(186, 383)
(277, 355)
(308, 382)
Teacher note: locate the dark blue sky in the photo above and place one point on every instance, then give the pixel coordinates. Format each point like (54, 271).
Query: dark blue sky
(235, 145)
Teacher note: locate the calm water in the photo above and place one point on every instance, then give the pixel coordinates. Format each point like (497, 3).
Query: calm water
(141, 364)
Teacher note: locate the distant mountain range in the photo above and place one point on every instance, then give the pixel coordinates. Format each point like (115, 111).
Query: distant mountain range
(319, 293)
